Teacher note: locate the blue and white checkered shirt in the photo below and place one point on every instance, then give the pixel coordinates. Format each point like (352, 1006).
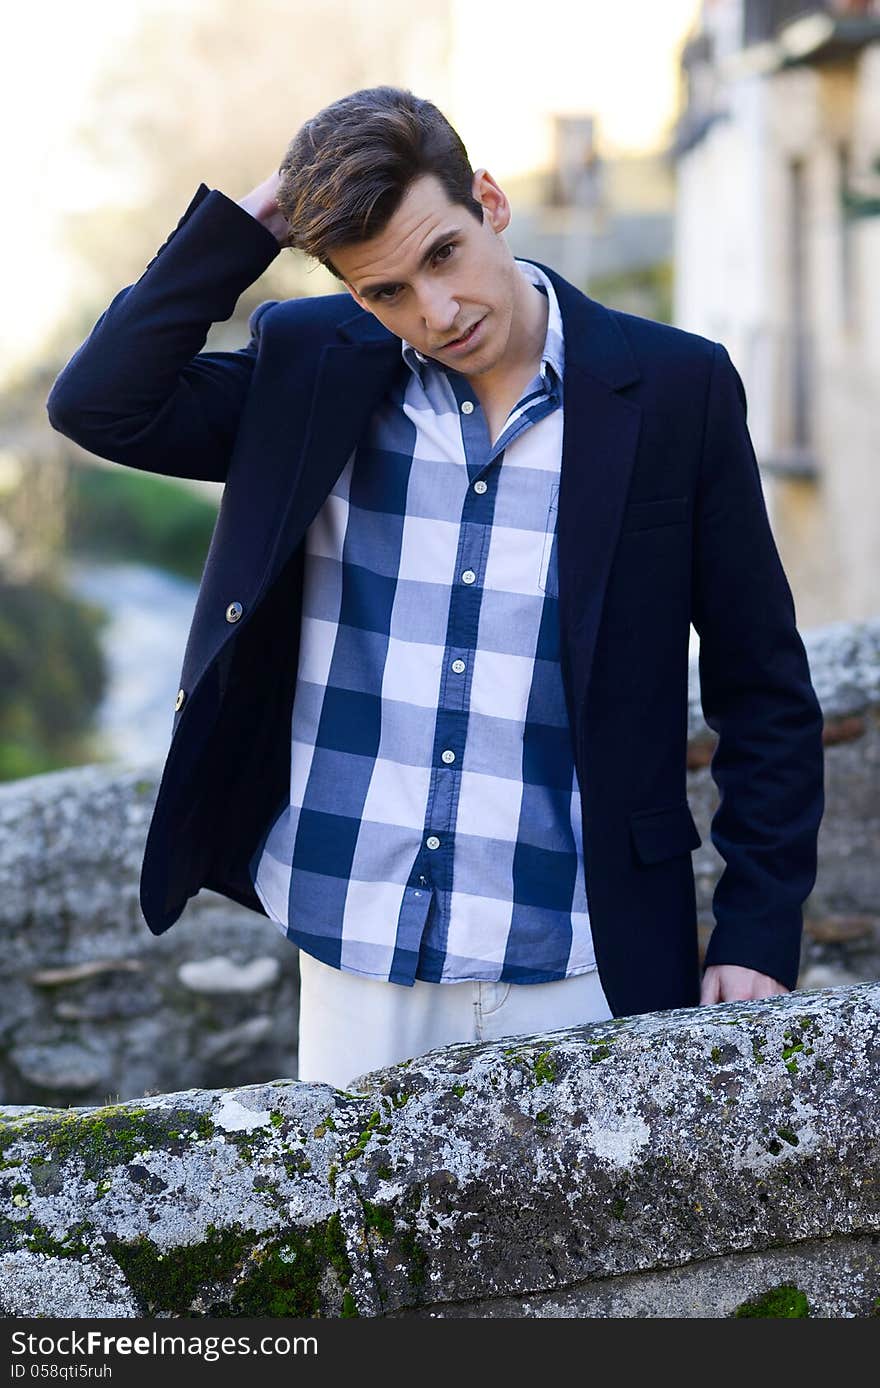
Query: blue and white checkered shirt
(433, 829)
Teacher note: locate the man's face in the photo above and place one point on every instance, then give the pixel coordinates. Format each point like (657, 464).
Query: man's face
(435, 271)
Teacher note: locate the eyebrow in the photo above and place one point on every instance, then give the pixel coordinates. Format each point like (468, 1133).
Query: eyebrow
(366, 292)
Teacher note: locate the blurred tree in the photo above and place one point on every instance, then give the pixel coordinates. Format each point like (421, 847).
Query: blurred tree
(201, 93)
(216, 96)
(52, 674)
(121, 513)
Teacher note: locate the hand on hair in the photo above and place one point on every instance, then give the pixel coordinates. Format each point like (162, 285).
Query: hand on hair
(262, 202)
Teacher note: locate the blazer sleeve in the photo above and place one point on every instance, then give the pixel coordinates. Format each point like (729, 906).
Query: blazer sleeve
(757, 695)
(139, 390)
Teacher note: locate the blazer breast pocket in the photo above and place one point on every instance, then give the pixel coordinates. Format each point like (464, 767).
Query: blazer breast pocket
(548, 571)
(655, 515)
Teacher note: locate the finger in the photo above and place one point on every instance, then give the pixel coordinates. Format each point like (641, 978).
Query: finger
(710, 991)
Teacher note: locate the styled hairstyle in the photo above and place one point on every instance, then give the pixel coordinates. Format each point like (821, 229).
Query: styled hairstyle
(347, 170)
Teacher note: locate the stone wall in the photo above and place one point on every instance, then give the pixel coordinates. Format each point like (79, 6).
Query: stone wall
(93, 1007)
(713, 1162)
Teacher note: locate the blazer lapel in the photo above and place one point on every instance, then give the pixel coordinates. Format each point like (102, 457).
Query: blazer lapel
(352, 378)
(599, 440)
(600, 436)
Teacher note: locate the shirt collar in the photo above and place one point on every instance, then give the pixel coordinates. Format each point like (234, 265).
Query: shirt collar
(553, 354)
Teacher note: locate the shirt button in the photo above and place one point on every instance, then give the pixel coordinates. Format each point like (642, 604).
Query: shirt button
(467, 407)
(433, 842)
(179, 701)
(458, 666)
(447, 755)
(468, 576)
(234, 611)
(423, 880)
(480, 487)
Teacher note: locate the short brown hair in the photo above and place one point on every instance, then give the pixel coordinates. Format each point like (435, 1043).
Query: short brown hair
(346, 171)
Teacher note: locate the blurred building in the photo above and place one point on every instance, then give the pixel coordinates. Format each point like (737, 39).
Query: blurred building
(606, 224)
(777, 255)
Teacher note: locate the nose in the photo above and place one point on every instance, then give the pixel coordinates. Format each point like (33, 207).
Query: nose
(440, 313)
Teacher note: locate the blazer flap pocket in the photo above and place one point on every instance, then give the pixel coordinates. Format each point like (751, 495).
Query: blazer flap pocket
(664, 833)
(644, 515)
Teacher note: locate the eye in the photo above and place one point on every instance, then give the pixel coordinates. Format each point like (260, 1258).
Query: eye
(391, 294)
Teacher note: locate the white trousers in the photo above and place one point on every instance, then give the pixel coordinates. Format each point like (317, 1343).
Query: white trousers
(349, 1024)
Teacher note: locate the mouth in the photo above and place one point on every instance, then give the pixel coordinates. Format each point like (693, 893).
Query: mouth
(466, 338)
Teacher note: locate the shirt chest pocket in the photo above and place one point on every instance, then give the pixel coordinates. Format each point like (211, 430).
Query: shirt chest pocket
(548, 572)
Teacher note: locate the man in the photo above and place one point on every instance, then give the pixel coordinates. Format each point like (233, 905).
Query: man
(433, 710)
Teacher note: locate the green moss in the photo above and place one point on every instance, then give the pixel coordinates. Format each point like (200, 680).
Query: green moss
(287, 1278)
(378, 1217)
(384, 1172)
(107, 1137)
(716, 1054)
(459, 1089)
(788, 1136)
(543, 1116)
(170, 1281)
(544, 1068)
(284, 1278)
(417, 1258)
(73, 1245)
(782, 1301)
(244, 1144)
(618, 1208)
(599, 1053)
(364, 1137)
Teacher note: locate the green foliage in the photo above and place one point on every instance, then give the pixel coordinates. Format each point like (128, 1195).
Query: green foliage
(120, 513)
(52, 677)
(645, 290)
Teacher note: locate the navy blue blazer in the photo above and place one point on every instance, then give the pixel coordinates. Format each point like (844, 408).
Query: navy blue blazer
(661, 524)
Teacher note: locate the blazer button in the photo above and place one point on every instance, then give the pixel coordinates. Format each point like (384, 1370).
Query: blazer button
(234, 611)
(178, 703)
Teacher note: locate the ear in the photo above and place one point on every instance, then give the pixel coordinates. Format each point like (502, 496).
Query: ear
(496, 208)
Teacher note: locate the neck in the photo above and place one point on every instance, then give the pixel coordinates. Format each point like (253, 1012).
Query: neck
(528, 333)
